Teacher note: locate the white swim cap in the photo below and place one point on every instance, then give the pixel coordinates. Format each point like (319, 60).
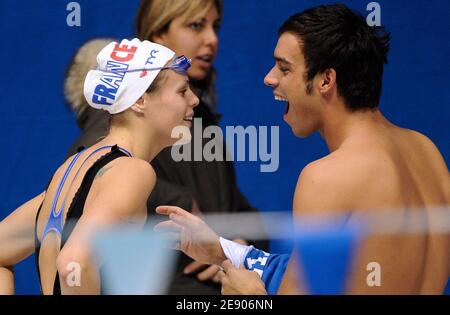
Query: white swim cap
(119, 81)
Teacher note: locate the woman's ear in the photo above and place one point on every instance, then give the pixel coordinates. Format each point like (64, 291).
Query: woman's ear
(139, 106)
(159, 39)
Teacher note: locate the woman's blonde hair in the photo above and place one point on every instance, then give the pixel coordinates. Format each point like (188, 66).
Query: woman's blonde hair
(153, 19)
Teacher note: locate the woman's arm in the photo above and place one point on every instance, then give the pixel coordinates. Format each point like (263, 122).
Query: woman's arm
(17, 240)
(121, 199)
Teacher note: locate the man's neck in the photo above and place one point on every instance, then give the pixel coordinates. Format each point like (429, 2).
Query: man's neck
(339, 124)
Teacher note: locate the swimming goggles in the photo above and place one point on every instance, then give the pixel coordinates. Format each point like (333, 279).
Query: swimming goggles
(180, 65)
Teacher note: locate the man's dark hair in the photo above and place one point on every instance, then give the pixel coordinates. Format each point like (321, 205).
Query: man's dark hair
(336, 37)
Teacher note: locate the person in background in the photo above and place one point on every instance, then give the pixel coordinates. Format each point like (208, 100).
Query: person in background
(93, 123)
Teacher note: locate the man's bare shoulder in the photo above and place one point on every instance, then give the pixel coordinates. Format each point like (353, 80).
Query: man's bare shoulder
(330, 183)
(427, 145)
(428, 155)
(342, 166)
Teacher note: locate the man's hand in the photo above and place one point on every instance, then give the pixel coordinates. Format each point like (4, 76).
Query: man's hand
(195, 210)
(240, 281)
(210, 272)
(194, 237)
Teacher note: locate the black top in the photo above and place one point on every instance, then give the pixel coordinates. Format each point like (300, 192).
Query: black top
(76, 208)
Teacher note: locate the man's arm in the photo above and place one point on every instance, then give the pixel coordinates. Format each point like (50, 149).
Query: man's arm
(17, 240)
(201, 243)
(321, 190)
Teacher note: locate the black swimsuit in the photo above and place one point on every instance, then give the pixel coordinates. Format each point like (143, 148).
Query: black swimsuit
(76, 208)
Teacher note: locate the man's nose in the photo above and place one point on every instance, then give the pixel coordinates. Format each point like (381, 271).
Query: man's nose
(270, 79)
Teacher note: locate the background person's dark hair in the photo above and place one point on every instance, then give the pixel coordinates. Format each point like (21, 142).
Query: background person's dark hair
(336, 37)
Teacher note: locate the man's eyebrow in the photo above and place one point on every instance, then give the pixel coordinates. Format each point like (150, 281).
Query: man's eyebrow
(282, 60)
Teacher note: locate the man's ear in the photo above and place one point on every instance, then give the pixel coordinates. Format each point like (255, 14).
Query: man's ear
(327, 80)
(139, 106)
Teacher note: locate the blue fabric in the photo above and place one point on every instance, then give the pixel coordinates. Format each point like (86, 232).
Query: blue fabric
(447, 289)
(325, 258)
(55, 220)
(270, 267)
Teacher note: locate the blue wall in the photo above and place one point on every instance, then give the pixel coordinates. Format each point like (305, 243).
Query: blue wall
(37, 128)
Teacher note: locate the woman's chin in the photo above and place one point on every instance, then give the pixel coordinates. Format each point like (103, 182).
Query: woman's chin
(197, 73)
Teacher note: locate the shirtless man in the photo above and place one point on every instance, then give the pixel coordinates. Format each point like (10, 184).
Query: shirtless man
(329, 67)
